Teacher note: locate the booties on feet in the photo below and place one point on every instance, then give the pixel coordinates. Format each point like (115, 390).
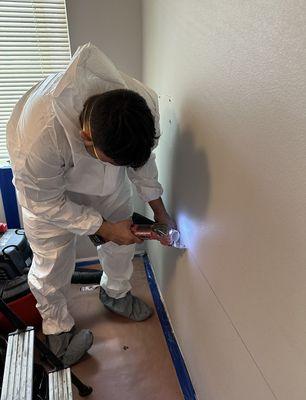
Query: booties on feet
(128, 306)
(70, 346)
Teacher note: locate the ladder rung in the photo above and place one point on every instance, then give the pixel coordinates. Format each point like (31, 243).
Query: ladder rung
(18, 370)
(60, 387)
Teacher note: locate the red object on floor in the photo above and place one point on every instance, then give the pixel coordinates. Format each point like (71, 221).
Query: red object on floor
(3, 227)
(25, 308)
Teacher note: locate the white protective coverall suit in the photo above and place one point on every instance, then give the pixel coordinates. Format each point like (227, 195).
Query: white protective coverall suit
(63, 190)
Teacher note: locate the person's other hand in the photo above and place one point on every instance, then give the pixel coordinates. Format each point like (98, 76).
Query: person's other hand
(118, 232)
(165, 218)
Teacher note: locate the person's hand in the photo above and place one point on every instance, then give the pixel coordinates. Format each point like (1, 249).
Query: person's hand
(118, 232)
(160, 213)
(164, 218)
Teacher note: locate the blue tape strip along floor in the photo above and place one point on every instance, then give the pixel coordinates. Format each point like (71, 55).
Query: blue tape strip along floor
(177, 358)
(81, 264)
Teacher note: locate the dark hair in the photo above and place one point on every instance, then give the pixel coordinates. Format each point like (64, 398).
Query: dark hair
(121, 125)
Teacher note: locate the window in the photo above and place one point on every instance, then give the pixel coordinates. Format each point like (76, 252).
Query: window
(34, 42)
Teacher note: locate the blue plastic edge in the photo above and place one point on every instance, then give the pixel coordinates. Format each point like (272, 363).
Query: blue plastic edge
(177, 358)
(80, 264)
(9, 197)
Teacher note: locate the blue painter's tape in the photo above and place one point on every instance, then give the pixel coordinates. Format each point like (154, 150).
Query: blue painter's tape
(86, 263)
(9, 197)
(177, 358)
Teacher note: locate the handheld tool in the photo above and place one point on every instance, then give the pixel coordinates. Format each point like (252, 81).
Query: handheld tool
(146, 229)
(156, 231)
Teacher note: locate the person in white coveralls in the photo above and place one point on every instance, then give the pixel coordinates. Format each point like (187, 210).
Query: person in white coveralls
(76, 141)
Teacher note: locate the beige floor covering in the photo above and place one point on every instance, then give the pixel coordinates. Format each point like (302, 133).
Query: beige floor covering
(128, 360)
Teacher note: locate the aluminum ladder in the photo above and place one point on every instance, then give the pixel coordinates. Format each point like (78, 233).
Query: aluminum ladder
(19, 364)
(60, 385)
(18, 370)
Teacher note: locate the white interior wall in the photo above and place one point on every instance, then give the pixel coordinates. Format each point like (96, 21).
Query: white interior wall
(231, 79)
(116, 28)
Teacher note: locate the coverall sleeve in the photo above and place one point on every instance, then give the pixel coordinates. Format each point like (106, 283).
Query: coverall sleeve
(42, 185)
(146, 180)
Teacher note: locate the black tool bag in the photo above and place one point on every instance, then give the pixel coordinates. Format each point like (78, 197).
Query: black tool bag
(15, 254)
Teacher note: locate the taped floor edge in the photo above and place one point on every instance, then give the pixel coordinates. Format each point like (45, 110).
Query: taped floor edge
(176, 355)
(177, 358)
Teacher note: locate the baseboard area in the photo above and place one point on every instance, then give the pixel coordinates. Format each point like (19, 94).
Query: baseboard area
(177, 358)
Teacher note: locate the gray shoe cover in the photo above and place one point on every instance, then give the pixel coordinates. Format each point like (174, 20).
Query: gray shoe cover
(129, 306)
(78, 346)
(59, 343)
(70, 347)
